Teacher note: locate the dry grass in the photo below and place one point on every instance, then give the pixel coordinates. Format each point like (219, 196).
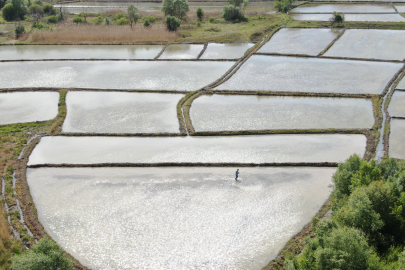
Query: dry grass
(102, 34)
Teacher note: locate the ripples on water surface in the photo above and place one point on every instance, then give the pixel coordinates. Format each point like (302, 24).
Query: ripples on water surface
(206, 149)
(290, 74)
(221, 112)
(23, 107)
(176, 218)
(112, 112)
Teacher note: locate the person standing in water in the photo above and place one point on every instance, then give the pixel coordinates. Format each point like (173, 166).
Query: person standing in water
(236, 175)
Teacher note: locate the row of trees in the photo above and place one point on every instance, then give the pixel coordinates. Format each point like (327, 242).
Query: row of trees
(367, 228)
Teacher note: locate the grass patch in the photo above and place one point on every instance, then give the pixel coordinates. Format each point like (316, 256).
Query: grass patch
(347, 25)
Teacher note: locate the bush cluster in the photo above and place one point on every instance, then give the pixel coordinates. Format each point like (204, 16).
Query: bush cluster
(366, 230)
(17, 9)
(233, 11)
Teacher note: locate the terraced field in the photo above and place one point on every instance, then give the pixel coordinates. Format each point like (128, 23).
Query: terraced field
(138, 168)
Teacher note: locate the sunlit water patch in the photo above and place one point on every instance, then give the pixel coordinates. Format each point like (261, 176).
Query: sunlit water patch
(226, 50)
(112, 112)
(377, 44)
(299, 41)
(289, 74)
(396, 140)
(343, 8)
(176, 218)
(220, 112)
(397, 104)
(22, 107)
(30, 52)
(212, 149)
(148, 75)
(182, 51)
(351, 17)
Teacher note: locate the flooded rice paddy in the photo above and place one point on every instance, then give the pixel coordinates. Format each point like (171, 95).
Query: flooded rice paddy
(23, 107)
(299, 41)
(226, 50)
(401, 84)
(112, 112)
(397, 104)
(143, 75)
(176, 218)
(350, 17)
(376, 44)
(289, 74)
(206, 149)
(32, 52)
(396, 140)
(344, 8)
(182, 51)
(221, 112)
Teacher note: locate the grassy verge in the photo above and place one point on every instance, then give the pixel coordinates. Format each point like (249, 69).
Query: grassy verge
(348, 25)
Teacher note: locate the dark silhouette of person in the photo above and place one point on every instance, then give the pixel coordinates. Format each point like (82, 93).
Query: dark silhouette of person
(236, 175)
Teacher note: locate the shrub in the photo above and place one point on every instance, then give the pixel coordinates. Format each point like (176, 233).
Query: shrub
(2, 3)
(36, 11)
(337, 18)
(146, 23)
(38, 25)
(119, 16)
(199, 24)
(213, 29)
(19, 30)
(78, 20)
(8, 12)
(211, 19)
(172, 23)
(46, 254)
(107, 21)
(283, 5)
(122, 21)
(38, 2)
(200, 14)
(49, 9)
(19, 8)
(52, 19)
(232, 13)
(99, 19)
(150, 18)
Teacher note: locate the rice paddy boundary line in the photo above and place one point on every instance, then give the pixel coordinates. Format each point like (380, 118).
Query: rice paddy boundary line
(332, 43)
(161, 52)
(120, 60)
(202, 51)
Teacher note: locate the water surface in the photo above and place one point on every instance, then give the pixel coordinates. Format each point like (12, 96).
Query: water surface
(343, 8)
(397, 104)
(136, 75)
(112, 112)
(23, 107)
(351, 17)
(182, 51)
(396, 140)
(279, 73)
(207, 149)
(176, 218)
(31, 52)
(376, 44)
(220, 112)
(299, 41)
(226, 50)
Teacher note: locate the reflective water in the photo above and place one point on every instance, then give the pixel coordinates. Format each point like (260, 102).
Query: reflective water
(22, 107)
(299, 41)
(148, 75)
(351, 17)
(182, 51)
(377, 44)
(319, 8)
(400, 8)
(219, 112)
(397, 104)
(176, 218)
(19, 52)
(401, 84)
(226, 50)
(396, 141)
(112, 112)
(208, 149)
(276, 73)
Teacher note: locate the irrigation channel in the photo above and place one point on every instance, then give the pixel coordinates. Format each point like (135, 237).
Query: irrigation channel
(140, 173)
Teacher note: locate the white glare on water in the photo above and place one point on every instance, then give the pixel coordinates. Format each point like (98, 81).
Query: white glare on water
(176, 218)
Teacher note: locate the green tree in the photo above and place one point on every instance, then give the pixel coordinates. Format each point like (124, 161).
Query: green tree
(172, 23)
(19, 8)
(342, 179)
(234, 10)
(283, 5)
(46, 254)
(48, 9)
(2, 3)
(36, 12)
(19, 30)
(200, 14)
(167, 8)
(133, 14)
(337, 18)
(176, 8)
(8, 12)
